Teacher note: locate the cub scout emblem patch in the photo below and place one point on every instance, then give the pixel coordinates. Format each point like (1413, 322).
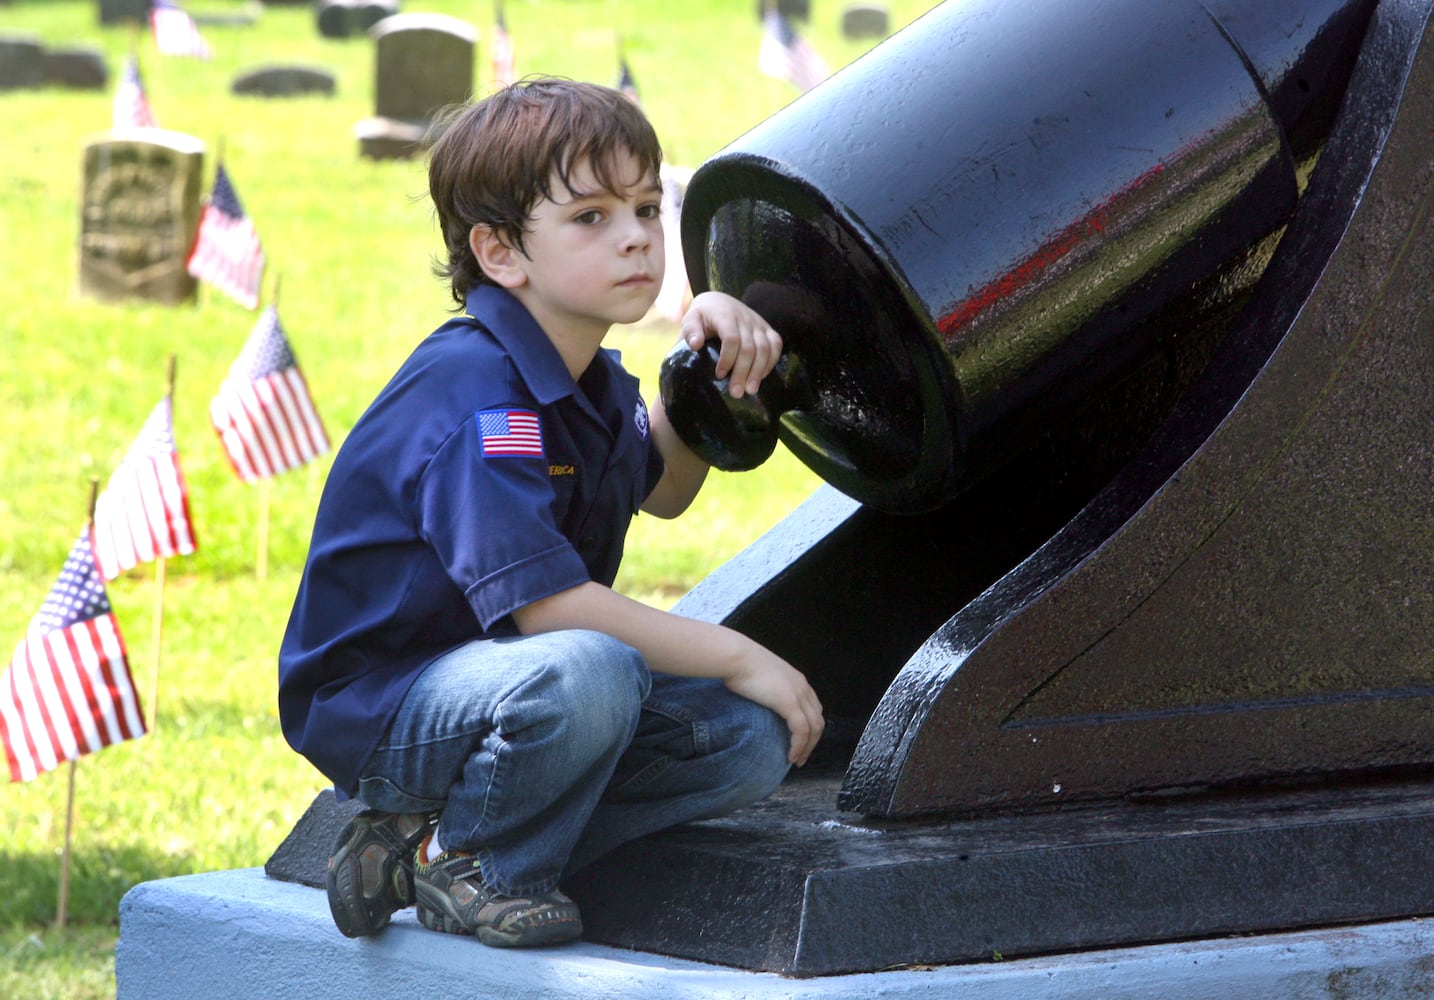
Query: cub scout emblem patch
(639, 418)
(507, 433)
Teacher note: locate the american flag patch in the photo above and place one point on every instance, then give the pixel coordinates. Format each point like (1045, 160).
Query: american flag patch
(510, 432)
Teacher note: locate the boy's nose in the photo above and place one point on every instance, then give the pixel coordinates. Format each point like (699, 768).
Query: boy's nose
(635, 235)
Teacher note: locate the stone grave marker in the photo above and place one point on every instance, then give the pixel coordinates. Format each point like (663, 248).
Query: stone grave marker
(118, 11)
(344, 18)
(139, 210)
(81, 67)
(290, 80)
(865, 20)
(423, 63)
(243, 16)
(22, 62)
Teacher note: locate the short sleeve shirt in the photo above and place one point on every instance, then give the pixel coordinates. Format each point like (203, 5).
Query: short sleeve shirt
(482, 478)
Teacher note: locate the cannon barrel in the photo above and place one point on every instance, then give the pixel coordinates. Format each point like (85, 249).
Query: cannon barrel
(975, 233)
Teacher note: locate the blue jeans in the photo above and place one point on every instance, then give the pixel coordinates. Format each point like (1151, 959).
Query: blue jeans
(544, 752)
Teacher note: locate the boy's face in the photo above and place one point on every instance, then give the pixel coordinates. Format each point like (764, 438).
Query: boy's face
(594, 258)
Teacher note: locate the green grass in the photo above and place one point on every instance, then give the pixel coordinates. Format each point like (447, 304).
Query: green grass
(214, 786)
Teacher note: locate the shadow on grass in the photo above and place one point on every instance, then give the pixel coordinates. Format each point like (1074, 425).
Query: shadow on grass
(98, 878)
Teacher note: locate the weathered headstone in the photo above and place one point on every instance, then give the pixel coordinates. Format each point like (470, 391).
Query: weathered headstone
(81, 67)
(344, 18)
(22, 62)
(865, 20)
(423, 63)
(138, 215)
(231, 17)
(118, 11)
(332, 19)
(799, 10)
(284, 81)
(364, 14)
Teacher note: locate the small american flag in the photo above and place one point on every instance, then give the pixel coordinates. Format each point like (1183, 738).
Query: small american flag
(263, 413)
(785, 56)
(175, 33)
(68, 689)
(510, 433)
(226, 250)
(143, 514)
(505, 69)
(132, 108)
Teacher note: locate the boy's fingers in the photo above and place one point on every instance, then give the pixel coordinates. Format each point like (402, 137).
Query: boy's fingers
(768, 347)
(806, 728)
(733, 363)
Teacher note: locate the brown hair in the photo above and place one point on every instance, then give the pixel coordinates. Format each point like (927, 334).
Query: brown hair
(495, 160)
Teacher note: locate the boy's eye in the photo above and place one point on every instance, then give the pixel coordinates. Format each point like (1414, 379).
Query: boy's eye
(588, 218)
(649, 211)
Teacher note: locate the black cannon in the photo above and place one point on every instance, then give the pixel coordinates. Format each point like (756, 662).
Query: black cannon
(1108, 323)
(974, 234)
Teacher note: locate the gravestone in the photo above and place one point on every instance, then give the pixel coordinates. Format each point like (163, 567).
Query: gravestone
(345, 18)
(423, 63)
(865, 20)
(332, 19)
(22, 62)
(119, 11)
(797, 10)
(284, 81)
(241, 17)
(80, 67)
(139, 212)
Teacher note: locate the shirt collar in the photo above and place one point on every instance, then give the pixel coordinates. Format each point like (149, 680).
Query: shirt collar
(537, 360)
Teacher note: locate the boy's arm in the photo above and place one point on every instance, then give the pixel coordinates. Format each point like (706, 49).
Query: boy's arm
(750, 349)
(673, 644)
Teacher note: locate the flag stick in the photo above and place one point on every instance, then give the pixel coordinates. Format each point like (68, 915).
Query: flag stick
(156, 635)
(261, 555)
(156, 628)
(62, 905)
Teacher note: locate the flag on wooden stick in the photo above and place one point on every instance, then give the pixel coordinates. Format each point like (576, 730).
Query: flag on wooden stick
(786, 56)
(263, 412)
(505, 64)
(68, 690)
(143, 514)
(132, 108)
(175, 33)
(226, 251)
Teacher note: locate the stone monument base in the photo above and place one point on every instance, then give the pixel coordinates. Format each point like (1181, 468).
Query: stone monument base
(390, 138)
(242, 934)
(794, 887)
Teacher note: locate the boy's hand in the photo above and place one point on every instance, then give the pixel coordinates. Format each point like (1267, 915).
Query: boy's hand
(771, 681)
(750, 347)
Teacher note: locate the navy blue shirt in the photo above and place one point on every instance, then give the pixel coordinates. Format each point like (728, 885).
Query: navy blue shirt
(481, 479)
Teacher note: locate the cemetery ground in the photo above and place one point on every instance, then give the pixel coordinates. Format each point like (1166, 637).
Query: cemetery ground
(214, 786)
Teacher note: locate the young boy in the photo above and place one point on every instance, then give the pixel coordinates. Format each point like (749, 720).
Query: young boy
(456, 658)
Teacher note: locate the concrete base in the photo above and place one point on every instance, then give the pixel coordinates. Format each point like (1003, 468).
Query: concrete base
(242, 934)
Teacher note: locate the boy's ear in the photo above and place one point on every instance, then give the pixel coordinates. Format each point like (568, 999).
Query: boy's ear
(498, 260)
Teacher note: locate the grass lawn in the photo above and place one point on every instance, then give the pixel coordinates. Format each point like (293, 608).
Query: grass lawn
(214, 786)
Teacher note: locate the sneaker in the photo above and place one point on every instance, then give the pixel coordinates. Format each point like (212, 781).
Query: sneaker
(453, 898)
(371, 873)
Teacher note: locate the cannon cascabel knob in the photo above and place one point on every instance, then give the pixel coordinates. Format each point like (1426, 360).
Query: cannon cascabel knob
(733, 435)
